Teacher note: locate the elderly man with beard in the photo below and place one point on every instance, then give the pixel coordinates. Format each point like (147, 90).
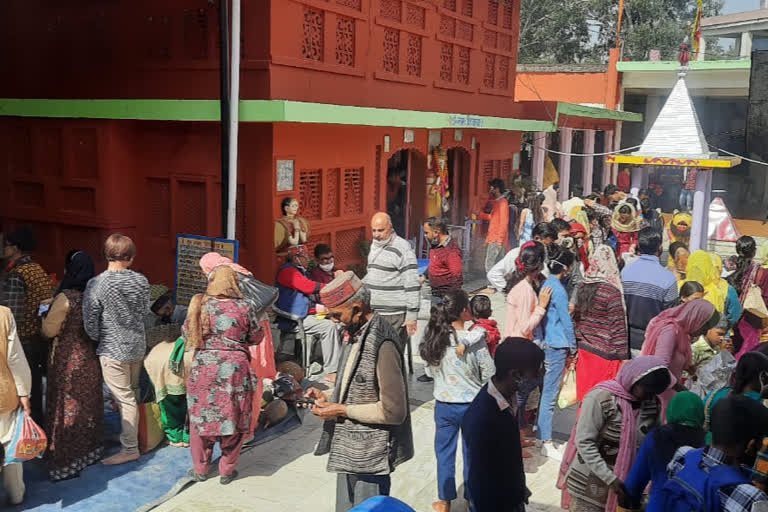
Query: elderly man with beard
(367, 432)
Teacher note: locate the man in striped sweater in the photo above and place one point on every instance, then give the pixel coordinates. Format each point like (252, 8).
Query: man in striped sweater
(393, 277)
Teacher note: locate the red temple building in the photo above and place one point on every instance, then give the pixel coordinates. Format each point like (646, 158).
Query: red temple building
(110, 118)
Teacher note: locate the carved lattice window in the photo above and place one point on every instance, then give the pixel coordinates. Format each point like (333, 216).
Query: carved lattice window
(464, 31)
(392, 9)
(391, 62)
(332, 194)
(489, 75)
(448, 26)
(345, 41)
(314, 24)
(507, 16)
(415, 16)
(462, 75)
(450, 5)
(414, 55)
(487, 171)
(310, 193)
(493, 12)
(348, 245)
(467, 8)
(353, 192)
(503, 78)
(352, 4)
(446, 62)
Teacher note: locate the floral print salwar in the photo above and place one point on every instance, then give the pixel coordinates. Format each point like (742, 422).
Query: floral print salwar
(221, 383)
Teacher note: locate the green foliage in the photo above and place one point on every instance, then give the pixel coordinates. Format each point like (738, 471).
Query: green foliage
(576, 31)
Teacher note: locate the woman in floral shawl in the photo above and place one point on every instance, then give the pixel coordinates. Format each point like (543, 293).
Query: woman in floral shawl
(221, 383)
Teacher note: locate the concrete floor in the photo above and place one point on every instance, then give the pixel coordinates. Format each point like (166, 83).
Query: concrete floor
(284, 474)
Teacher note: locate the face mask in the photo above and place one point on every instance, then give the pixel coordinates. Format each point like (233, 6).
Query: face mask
(381, 243)
(434, 242)
(328, 267)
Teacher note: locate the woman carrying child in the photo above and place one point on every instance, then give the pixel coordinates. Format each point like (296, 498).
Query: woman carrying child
(460, 364)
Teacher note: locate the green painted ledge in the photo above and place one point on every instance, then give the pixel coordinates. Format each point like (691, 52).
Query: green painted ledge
(670, 65)
(277, 111)
(574, 110)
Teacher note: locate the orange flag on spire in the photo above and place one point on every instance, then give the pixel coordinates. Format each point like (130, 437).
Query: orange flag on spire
(696, 32)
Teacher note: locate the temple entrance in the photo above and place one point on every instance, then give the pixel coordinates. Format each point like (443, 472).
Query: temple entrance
(458, 180)
(407, 192)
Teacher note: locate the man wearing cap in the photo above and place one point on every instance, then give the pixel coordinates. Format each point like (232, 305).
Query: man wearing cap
(368, 426)
(297, 299)
(25, 287)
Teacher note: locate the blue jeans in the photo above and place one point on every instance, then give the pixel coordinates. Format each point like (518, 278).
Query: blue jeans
(554, 364)
(447, 424)
(686, 200)
(523, 392)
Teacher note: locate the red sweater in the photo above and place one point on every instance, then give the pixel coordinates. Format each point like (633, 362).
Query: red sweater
(492, 334)
(291, 277)
(445, 269)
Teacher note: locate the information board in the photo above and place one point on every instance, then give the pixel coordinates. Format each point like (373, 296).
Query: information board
(190, 279)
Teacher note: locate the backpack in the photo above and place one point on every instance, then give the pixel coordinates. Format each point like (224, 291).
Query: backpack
(694, 489)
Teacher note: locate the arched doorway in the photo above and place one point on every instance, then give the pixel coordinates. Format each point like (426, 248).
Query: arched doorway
(459, 162)
(407, 191)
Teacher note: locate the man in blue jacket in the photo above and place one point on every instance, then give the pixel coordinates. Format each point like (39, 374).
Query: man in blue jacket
(496, 480)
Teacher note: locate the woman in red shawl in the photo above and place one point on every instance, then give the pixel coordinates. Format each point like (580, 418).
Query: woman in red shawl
(669, 336)
(579, 232)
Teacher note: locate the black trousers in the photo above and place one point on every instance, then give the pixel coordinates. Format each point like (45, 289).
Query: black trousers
(352, 490)
(36, 351)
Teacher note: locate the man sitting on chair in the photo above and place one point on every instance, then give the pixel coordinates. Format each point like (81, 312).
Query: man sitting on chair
(297, 299)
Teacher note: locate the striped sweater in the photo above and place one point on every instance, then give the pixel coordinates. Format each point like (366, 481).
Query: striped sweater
(393, 279)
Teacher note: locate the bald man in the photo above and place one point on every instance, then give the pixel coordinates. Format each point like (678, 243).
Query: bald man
(393, 276)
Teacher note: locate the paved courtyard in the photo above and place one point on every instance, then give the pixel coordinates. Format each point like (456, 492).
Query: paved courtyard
(284, 474)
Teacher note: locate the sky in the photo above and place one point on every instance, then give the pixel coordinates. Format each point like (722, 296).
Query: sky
(740, 5)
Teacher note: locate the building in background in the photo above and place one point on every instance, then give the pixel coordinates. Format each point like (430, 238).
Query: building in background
(110, 119)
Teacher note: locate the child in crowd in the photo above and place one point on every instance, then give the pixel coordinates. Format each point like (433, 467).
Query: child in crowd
(691, 290)
(480, 305)
(710, 344)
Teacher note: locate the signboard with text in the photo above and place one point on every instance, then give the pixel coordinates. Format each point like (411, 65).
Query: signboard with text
(190, 279)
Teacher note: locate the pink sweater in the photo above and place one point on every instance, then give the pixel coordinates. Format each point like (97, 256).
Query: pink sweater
(523, 313)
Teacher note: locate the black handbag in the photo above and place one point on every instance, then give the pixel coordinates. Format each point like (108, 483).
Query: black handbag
(257, 293)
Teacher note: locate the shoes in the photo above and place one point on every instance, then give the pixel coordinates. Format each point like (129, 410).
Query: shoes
(548, 449)
(194, 476)
(441, 506)
(227, 479)
(121, 458)
(424, 378)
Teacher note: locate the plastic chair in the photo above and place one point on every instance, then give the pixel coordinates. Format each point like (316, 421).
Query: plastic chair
(298, 336)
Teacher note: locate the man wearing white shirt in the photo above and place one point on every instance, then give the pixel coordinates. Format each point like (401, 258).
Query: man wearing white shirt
(542, 232)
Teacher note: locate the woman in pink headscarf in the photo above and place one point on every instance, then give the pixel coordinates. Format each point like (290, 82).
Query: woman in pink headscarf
(263, 354)
(613, 420)
(669, 337)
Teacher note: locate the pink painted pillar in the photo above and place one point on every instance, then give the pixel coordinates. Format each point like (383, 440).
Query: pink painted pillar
(701, 200)
(607, 168)
(566, 144)
(588, 168)
(540, 144)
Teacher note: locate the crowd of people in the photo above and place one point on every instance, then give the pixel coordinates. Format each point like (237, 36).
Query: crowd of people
(670, 369)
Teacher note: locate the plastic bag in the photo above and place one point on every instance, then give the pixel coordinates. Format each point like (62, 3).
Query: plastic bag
(29, 440)
(151, 432)
(714, 375)
(567, 396)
